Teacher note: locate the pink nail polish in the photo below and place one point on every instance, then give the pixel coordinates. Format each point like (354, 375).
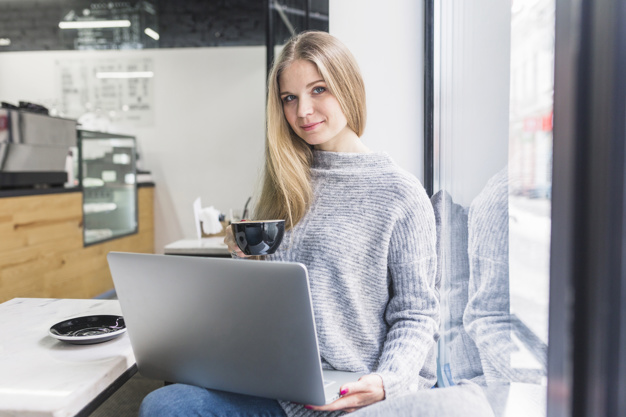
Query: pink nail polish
(308, 407)
(343, 392)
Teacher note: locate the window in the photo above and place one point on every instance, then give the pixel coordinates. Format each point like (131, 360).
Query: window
(492, 188)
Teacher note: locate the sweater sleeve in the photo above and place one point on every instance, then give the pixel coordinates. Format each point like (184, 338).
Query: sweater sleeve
(412, 313)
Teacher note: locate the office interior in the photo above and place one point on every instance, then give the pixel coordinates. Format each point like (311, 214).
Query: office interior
(510, 113)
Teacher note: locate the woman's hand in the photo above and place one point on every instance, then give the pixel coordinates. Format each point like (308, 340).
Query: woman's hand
(367, 390)
(229, 240)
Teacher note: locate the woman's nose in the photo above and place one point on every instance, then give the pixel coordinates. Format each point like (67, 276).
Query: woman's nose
(305, 107)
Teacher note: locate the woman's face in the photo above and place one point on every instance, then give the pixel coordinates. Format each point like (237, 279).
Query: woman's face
(310, 109)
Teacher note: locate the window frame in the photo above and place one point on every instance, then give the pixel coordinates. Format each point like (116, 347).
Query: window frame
(588, 267)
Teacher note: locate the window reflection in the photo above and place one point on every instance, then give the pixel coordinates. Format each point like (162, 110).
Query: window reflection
(493, 240)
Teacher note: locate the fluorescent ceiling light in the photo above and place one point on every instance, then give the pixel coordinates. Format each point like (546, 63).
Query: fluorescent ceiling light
(5, 41)
(133, 74)
(152, 34)
(95, 24)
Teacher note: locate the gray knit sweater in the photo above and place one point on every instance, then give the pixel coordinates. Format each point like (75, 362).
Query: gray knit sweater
(368, 242)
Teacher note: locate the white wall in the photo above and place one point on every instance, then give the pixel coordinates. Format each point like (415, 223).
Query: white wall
(387, 39)
(208, 134)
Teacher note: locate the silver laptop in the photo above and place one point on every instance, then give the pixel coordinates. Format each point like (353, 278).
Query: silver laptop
(241, 326)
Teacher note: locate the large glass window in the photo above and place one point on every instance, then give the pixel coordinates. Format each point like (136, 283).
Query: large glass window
(493, 95)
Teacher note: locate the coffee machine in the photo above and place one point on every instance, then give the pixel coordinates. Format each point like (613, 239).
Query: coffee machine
(34, 148)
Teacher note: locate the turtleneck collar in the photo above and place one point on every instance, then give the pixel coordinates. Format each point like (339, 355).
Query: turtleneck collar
(347, 161)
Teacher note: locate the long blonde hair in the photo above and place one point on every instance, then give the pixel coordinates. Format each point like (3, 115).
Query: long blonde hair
(286, 192)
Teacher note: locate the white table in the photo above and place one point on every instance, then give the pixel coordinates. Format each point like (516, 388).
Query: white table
(41, 376)
(208, 246)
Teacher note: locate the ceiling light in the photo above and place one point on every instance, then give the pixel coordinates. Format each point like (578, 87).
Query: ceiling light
(151, 33)
(5, 41)
(133, 74)
(95, 24)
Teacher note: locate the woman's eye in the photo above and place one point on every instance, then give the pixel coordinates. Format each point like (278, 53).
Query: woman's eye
(289, 98)
(319, 90)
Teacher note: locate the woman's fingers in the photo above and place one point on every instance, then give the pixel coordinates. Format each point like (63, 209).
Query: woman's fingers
(367, 390)
(347, 402)
(229, 240)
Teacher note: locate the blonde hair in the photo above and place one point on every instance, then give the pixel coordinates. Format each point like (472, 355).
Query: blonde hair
(286, 191)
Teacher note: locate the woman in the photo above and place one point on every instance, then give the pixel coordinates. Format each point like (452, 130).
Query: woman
(364, 228)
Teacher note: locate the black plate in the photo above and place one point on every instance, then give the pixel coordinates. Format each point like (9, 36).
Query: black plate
(88, 329)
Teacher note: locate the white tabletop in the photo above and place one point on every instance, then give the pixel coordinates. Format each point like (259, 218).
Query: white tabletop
(206, 246)
(41, 376)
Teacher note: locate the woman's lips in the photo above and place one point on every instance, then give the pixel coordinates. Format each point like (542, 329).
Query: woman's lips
(310, 126)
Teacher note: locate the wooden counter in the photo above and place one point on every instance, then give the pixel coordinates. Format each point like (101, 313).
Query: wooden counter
(41, 246)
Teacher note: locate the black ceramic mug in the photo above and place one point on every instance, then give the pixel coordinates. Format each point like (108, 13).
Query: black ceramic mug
(258, 237)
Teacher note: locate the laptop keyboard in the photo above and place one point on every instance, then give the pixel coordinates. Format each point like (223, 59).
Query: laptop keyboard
(328, 383)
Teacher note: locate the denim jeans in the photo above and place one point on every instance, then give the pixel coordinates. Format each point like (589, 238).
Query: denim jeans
(187, 400)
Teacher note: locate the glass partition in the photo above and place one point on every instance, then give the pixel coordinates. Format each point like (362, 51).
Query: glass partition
(108, 177)
(493, 88)
(285, 18)
(128, 25)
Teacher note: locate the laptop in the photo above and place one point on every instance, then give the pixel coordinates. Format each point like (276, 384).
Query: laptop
(242, 326)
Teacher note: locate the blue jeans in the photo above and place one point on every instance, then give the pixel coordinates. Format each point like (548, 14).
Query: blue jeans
(187, 400)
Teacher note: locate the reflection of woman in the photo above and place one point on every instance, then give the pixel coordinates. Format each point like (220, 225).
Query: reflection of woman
(487, 317)
(363, 227)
